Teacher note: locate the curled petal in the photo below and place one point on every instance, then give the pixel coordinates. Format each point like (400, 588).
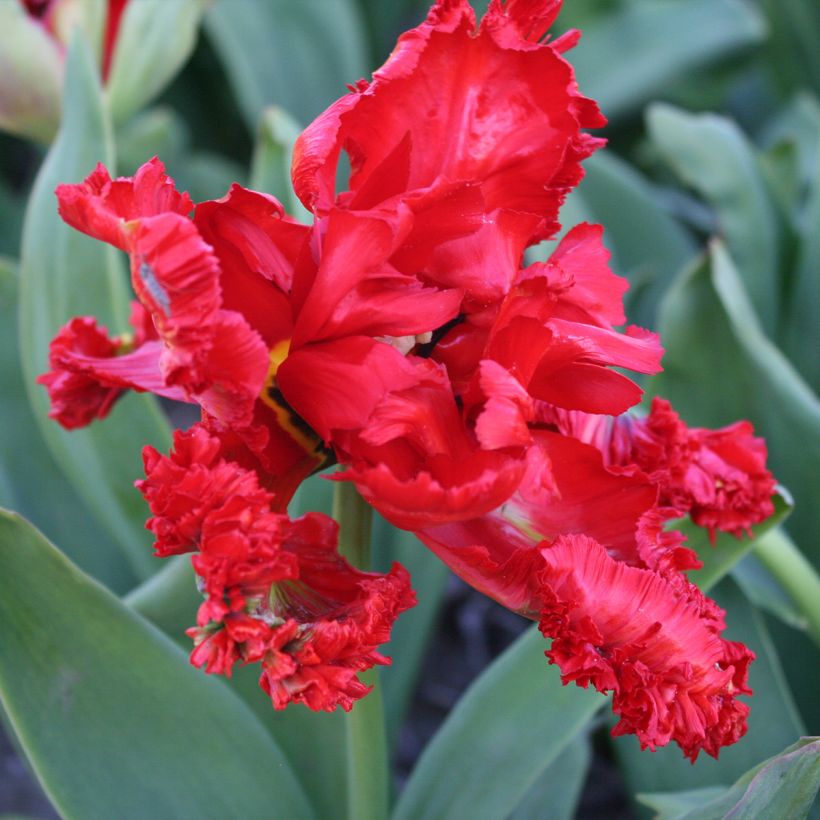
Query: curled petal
(513, 103)
(102, 207)
(183, 488)
(78, 395)
(627, 630)
(718, 476)
(342, 615)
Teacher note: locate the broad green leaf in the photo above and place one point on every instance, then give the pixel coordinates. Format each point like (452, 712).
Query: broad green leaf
(169, 598)
(794, 44)
(798, 123)
(557, 791)
(270, 167)
(512, 723)
(782, 786)
(634, 53)
(720, 557)
(91, 687)
(207, 175)
(154, 40)
(299, 56)
(62, 274)
(158, 132)
(412, 631)
(720, 367)
(315, 745)
(676, 804)
(712, 156)
(773, 720)
(30, 481)
(765, 592)
(801, 335)
(648, 246)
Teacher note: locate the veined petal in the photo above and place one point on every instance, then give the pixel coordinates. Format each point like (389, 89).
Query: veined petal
(337, 384)
(102, 207)
(630, 631)
(513, 105)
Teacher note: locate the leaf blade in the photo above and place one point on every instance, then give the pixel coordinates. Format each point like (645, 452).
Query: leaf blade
(530, 719)
(103, 460)
(112, 694)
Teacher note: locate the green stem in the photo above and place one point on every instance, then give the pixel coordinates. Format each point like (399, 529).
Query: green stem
(795, 574)
(367, 761)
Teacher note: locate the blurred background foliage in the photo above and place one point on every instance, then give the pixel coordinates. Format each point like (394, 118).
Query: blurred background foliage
(709, 191)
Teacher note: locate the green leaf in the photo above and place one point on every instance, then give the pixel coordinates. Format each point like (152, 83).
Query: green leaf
(648, 246)
(634, 53)
(765, 592)
(512, 723)
(794, 44)
(720, 367)
(270, 167)
(315, 744)
(30, 481)
(720, 557)
(712, 156)
(773, 720)
(559, 786)
(413, 630)
(258, 43)
(797, 123)
(801, 335)
(158, 132)
(795, 574)
(91, 687)
(676, 804)
(63, 274)
(782, 786)
(154, 40)
(169, 598)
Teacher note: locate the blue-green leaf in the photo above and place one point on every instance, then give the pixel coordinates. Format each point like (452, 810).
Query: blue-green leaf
(512, 723)
(558, 788)
(712, 156)
(63, 274)
(633, 53)
(782, 786)
(30, 481)
(299, 56)
(91, 687)
(270, 167)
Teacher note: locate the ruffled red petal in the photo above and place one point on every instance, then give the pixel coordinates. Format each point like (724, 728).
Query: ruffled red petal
(343, 615)
(719, 477)
(77, 395)
(629, 631)
(513, 104)
(102, 207)
(184, 487)
(276, 591)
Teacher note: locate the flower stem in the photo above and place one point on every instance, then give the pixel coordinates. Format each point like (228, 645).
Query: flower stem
(795, 574)
(367, 763)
